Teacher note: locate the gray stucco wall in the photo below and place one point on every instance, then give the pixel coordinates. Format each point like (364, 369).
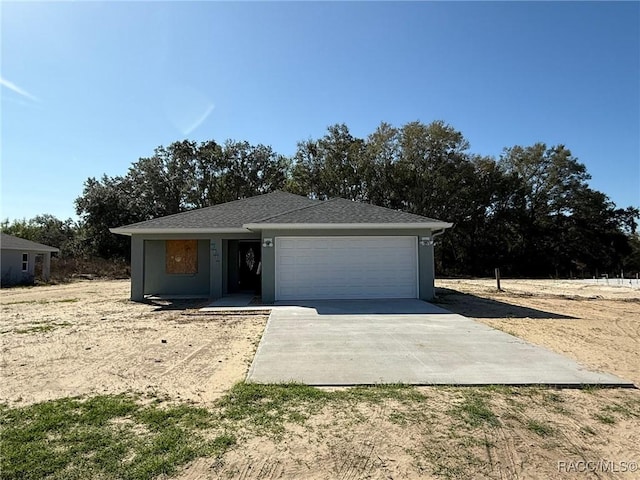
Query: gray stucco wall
(426, 276)
(158, 282)
(426, 272)
(137, 268)
(148, 274)
(12, 273)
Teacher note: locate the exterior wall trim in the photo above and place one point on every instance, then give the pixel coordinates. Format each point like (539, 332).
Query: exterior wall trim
(347, 226)
(176, 231)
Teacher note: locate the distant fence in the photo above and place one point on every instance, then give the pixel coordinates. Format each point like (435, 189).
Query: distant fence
(612, 281)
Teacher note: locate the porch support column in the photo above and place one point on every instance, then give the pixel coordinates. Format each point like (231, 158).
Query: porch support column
(137, 268)
(215, 268)
(46, 266)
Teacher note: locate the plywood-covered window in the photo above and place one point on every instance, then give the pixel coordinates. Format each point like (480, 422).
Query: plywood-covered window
(182, 256)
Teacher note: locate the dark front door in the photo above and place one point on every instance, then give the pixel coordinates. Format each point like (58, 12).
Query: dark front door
(249, 266)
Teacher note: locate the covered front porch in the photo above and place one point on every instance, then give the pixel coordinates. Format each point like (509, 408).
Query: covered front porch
(195, 266)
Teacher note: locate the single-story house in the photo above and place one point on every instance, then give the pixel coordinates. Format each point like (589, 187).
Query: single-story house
(285, 247)
(19, 259)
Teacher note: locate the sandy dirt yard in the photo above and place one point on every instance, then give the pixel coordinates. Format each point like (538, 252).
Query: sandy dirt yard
(87, 338)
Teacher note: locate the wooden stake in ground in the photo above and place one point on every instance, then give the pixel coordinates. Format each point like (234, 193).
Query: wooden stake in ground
(498, 279)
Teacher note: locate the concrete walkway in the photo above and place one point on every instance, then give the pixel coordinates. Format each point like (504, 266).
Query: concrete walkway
(402, 341)
(236, 300)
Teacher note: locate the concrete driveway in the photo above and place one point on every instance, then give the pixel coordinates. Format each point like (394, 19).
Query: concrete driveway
(360, 342)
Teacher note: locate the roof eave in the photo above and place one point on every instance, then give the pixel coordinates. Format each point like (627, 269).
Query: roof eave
(252, 227)
(348, 226)
(33, 249)
(175, 230)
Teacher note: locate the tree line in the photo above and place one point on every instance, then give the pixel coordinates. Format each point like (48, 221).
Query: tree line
(530, 212)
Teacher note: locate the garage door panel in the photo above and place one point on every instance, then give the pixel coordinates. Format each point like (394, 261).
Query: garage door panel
(288, 260)
(346, 267)
(285, 243)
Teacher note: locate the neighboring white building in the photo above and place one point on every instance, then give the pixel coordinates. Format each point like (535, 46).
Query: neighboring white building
(19, 259)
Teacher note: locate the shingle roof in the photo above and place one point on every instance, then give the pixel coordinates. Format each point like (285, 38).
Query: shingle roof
(339, 210)
(9, 242)
(231, 214)
(279, 208)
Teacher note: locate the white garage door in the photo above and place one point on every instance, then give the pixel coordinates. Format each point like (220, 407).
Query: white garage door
(346, 267)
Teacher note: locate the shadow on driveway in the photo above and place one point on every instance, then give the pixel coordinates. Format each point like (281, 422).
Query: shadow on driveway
(479, 307)
(391, 306)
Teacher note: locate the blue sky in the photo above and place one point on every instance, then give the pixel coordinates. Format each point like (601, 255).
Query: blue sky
(88, 88)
